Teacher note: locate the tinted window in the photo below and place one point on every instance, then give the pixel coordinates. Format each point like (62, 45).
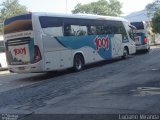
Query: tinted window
(75, 27)
(76, 21)
(138, 25)
(59, 26)
(46, 21)
(107, 27)
(52, 25)
(92, 27)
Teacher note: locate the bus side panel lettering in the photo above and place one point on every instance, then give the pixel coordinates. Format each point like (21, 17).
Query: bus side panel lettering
(101, 43)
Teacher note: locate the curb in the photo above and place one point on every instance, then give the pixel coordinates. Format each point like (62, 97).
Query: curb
(155, 44)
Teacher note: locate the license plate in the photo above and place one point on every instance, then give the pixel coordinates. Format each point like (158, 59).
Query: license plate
(21, 68)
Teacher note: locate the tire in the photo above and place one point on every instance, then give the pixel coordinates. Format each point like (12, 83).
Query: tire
(147, 50)
(125, 53)
(78, 63)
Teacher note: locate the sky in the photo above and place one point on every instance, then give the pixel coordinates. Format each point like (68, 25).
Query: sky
(59, 6)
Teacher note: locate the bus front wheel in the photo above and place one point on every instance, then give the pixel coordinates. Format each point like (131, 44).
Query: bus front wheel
(78, 63)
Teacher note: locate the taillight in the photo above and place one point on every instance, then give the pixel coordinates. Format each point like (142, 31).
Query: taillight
(145, 40)
(37, 54)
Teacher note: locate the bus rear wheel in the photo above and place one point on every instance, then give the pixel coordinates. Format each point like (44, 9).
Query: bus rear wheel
(125, 53)
(78, 63)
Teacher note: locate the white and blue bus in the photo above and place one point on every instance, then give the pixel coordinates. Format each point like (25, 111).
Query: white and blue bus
(40, 42)
(141, 36)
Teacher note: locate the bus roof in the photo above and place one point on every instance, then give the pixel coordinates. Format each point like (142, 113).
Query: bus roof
(84, 16)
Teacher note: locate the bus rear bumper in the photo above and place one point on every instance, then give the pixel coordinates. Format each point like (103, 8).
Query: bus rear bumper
(32, 68)
(142, 47)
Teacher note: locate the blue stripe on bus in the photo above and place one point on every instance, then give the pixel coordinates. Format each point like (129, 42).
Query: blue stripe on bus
(57, 38)
(77, 42)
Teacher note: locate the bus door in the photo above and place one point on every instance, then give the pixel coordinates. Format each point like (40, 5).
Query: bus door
(116, 45)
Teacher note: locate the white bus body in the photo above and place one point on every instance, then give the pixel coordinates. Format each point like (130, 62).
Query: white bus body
(40, 42)
(141, 36)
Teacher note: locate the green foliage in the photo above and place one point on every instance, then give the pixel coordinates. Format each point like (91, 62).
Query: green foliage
(10, 8)
(101, 7)
(156, 21)
(153, 7)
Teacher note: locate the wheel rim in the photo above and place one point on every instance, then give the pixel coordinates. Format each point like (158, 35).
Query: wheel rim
(78, 64)
(125, 53)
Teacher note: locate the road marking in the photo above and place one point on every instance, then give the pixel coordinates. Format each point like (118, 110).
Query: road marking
(155, 69)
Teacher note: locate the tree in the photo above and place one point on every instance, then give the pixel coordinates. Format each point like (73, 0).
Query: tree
(101, 7)
(156, 21)
(10, 8)
(153, 7)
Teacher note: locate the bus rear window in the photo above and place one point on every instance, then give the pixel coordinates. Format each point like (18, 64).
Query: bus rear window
(138, 25)
(18, 24)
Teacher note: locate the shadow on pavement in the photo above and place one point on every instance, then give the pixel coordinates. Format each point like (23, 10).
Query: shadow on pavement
(53, 74)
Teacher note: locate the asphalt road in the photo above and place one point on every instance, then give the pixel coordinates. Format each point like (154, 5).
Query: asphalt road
(118, 86)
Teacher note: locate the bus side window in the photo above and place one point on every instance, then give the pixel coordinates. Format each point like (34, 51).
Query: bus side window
(79, 30)
(131, 34)
(122, 30)
(67, 30)
(91, 30)
(131, 31)
(51, 25)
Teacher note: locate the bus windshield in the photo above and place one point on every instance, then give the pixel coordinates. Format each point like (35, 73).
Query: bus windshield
(18, 24)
